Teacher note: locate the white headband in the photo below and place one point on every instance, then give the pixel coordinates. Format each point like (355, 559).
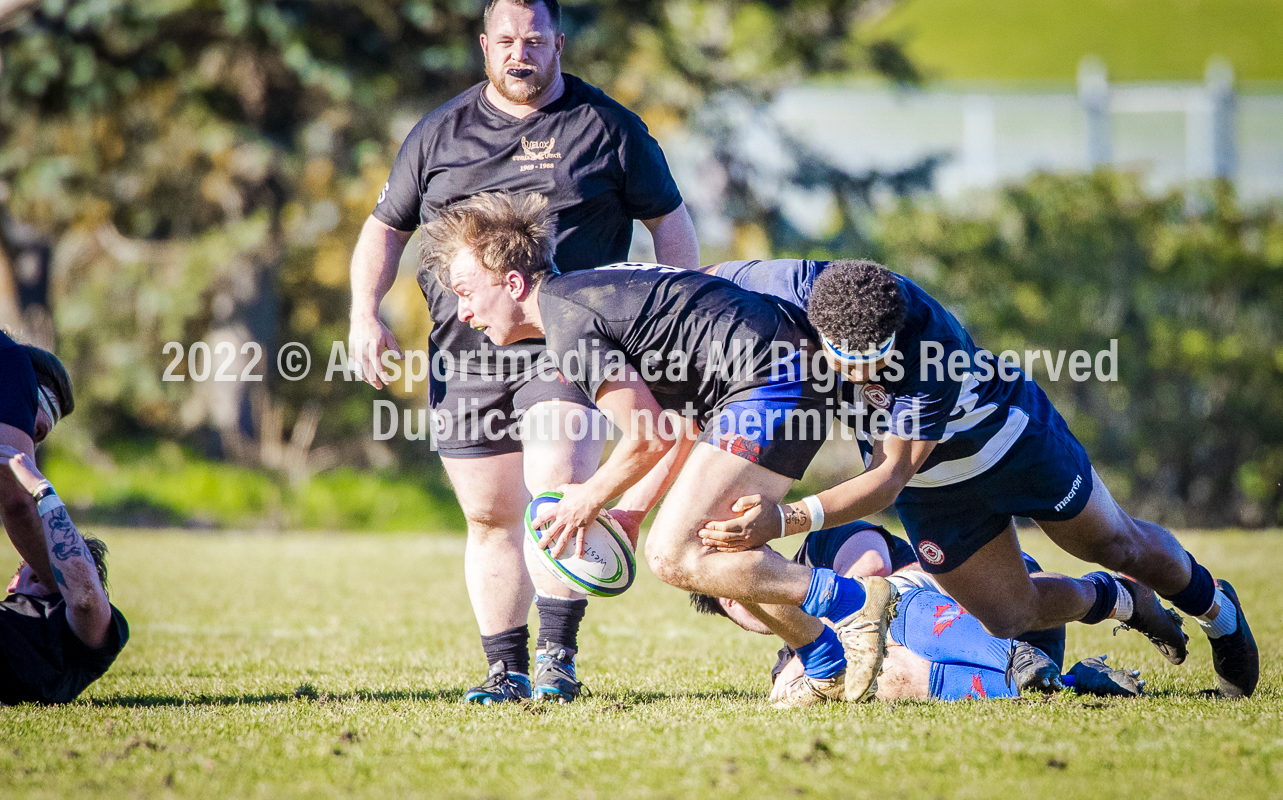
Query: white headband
(49, 402)
(868, 356)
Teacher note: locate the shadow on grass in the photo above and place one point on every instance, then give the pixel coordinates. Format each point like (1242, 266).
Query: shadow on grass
(304, 694)
(616, 701)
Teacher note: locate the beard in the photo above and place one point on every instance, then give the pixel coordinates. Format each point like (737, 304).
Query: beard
(521, 91)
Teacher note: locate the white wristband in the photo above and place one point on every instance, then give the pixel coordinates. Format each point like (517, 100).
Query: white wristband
(816, 510)
(49, 503)
(784, 528)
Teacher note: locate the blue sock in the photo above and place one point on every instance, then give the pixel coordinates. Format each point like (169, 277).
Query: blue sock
(823, 658)
(935, 627)
(965, 682)
(1106, 597)
(1196, 598)
(832, 597)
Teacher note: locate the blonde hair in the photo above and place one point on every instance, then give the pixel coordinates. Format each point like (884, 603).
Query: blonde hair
(505, 232)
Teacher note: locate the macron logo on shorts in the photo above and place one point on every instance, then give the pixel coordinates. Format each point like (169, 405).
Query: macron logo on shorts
(1078, 482)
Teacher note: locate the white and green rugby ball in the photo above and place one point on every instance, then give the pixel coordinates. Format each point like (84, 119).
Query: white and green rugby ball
(608, 566)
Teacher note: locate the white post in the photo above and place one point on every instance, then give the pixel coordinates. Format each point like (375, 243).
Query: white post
(979, 141)
(1093, 94)
(1220, 90)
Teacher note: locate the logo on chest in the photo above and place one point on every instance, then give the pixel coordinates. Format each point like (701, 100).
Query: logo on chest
(539, 152)
(876, 396)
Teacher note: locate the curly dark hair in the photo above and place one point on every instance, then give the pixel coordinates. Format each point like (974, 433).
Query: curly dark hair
(707, 604)
(856, 304)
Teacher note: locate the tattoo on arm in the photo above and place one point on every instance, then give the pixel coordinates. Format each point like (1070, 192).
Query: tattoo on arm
(793, 516)
(64, 540)
(57, 576)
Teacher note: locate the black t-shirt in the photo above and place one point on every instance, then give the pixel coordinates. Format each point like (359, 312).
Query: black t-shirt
(592, 158)
(41, 660)
(679, 329)
(18, 387)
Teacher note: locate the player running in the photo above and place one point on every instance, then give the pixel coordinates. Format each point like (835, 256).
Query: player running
(529, 127)
(961, 453)
(935, 650)
(640, 340)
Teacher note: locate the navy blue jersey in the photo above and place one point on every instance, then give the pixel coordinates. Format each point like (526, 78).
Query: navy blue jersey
(18, 387)
(974, 414)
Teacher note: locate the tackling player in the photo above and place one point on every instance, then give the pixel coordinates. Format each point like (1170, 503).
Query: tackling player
(935, 650)
(641, 340)
(961, 453)
(529, 127)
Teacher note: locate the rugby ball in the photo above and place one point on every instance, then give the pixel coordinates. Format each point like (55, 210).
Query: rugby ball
(608, 566)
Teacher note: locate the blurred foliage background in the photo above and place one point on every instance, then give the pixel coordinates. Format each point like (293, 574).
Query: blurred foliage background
(198, 171)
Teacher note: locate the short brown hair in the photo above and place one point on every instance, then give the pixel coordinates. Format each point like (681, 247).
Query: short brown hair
(554, 11)
(506, 233)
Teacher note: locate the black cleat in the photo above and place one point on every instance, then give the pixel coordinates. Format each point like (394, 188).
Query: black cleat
(1234, 655)
(555, 679)
(1161, 625)
(501, 686)
(1093, 676)
(1032, 670)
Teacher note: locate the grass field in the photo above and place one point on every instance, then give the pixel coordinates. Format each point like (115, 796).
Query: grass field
(320, 666)
(1139, 40)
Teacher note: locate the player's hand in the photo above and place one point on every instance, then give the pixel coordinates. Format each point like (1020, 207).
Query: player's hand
(23, 467)
(367, 340)
(568, 518)
(757, 524)
(790, 672)
(630, 522)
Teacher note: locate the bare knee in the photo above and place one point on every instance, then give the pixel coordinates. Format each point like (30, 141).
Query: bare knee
(670, 560)
(869, 565)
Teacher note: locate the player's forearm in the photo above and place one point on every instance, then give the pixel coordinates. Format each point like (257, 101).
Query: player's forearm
(630, 462)
(374, 265)
(642, 496)
(865, 494)
(675, 241)
(22, 523)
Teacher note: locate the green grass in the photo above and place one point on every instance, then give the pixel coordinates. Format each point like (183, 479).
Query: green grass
(162, 484)
(332, 666)
(1042, 40)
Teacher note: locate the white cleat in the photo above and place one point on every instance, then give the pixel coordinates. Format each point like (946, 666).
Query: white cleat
(864, 638)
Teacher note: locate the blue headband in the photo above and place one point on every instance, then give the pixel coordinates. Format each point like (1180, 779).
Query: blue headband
(868, 356)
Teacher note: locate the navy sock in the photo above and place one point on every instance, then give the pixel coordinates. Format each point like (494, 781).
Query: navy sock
(1106, 597)
(1197, 598)
(823, 658)
(559, 620)
(511, 647)
(833, 597)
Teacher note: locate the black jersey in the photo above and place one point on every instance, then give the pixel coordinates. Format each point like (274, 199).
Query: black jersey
(18, 387)
(592, 158)
(41, 659)
(698, 341)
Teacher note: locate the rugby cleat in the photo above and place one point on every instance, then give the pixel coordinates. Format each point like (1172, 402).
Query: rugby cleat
(1162, 626)
(501, 686)
(864, 638)
(1093, 676)
(1234, 655)
(1032, 670)
(805, 691)
(555, 675)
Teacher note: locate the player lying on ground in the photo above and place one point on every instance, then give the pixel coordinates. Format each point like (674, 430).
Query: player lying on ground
(644, 339)
(496, 423)
(56, 638)
(35, 393)
(962, 451)
(936, 650)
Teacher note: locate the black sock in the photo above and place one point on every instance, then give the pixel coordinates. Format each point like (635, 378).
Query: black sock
(1050, 641)
(1106, 597)
(1196, 598)
(559, 620)
(511, 647)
